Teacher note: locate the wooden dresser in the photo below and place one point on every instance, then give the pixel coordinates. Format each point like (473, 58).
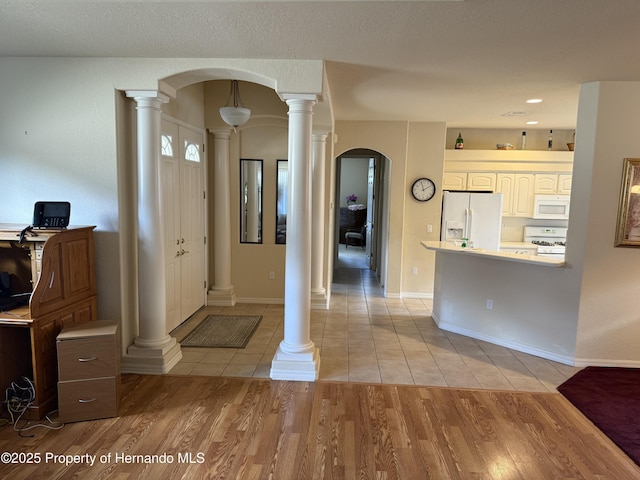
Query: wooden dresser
(57, 267)
(88, 371)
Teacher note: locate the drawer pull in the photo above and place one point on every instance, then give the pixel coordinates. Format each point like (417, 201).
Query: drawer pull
(90, 359)
(87, 401)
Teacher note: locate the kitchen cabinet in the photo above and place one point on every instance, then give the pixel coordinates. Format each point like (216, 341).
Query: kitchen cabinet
(552, 184)
(517, 174)
(546, 183)
(481, 181)
(517, 193)
(564, 184)
(454, 181)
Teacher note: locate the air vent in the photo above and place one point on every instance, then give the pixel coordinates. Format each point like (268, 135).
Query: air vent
(515, 114)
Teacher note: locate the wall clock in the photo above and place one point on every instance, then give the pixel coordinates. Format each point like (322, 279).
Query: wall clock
(423, 189)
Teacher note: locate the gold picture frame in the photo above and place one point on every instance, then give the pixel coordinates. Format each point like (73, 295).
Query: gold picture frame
(628, 230)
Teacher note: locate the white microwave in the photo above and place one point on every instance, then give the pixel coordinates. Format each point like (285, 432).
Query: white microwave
(551, 207)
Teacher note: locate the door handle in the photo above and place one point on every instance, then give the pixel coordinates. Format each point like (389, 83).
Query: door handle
(182, 252)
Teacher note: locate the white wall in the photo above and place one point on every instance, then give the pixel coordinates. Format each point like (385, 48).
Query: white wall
(609, 326)
(353, 179)
(413, 149)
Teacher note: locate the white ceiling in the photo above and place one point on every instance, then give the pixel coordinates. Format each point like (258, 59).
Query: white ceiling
(462, 62)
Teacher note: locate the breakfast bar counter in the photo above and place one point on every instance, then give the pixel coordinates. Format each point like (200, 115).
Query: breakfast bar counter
(514, 300)
(448, 247)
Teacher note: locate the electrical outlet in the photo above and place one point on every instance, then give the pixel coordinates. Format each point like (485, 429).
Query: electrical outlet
(429, 228)
(489, 304)
(272, 275)
(414, 271)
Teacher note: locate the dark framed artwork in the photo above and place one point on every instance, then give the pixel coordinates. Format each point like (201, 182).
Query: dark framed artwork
(628, 230)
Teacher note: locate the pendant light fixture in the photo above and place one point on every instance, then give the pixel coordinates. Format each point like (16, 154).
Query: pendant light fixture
(234, 113)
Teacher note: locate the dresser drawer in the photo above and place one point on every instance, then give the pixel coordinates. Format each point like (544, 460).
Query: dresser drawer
(87, 358)
(88, 399)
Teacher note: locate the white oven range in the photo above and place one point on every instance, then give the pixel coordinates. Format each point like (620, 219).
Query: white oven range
(550, 241)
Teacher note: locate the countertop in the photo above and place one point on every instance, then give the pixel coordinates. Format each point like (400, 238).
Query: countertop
(448, 247)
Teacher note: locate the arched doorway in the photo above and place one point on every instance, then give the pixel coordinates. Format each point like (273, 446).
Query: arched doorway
(361, 199)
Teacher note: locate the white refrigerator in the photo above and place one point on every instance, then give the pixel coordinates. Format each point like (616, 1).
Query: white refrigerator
(474, 216)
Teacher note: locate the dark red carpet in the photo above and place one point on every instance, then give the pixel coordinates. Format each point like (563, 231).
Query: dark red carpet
(610, 398)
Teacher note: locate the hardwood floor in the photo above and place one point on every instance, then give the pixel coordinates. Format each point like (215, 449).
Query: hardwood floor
(231, 428)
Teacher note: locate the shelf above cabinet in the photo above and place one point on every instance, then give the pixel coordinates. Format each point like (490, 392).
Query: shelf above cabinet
(531, 161)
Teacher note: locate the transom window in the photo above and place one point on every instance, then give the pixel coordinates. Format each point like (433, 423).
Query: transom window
(191, 151)
(167, 145)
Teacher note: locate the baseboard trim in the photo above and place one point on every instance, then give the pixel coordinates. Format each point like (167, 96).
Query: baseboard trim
(600, 362)
(538, 352)
(269, 301)
(424, 296)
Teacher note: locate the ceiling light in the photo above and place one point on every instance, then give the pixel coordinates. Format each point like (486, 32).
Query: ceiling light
(534, 100)
(234, 113)
(532, 122)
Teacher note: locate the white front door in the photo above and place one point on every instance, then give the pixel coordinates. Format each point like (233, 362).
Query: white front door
(183, 204)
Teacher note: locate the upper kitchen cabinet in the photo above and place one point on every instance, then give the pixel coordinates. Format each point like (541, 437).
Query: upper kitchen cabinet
(481, 181)
(517, 193)
(564, 184)
(454, 181)
(546, 183)
(552, 184)
(517, 174)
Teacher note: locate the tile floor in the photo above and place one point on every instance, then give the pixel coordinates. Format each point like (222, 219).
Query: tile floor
(365, 337)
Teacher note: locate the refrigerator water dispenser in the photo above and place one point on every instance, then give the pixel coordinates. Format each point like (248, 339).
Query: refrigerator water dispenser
(454, 230)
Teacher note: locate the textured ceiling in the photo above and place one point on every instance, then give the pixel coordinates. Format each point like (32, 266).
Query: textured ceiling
(462, 62)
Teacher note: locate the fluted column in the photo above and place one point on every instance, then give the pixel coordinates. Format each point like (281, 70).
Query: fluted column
(153, 350)
(318, 292)
(297, 357)
(222, 291)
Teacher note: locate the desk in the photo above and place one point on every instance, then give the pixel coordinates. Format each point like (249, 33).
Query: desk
(57, 266)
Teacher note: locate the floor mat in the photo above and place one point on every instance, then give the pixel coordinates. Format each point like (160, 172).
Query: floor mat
(223, 331)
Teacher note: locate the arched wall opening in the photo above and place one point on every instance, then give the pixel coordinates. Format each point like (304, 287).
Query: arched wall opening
(362, 207)
(264, 116)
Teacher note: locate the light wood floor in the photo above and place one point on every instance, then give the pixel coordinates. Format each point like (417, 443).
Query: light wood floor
(242, 428)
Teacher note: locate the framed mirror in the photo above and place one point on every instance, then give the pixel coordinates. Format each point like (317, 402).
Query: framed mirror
(281, 201)
(250, 201)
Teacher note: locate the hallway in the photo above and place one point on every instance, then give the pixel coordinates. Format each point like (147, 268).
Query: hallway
(365, 337)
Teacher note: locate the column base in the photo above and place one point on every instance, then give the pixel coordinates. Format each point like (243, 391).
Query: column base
(319, 300)
(151, 361)
(296, 366)
(223, 297)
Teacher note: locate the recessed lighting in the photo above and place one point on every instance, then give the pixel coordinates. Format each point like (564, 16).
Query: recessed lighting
(534, 100)
(532, 123)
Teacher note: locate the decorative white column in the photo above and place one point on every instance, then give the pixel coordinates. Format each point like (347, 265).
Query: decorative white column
(297, 357)
(318, 292)
(221, 292)
(153, 350)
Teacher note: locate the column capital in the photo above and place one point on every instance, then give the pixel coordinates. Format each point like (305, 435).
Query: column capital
(319, 136)
(300, 102)
(312, 97)
(150, 97)
(221, 133)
